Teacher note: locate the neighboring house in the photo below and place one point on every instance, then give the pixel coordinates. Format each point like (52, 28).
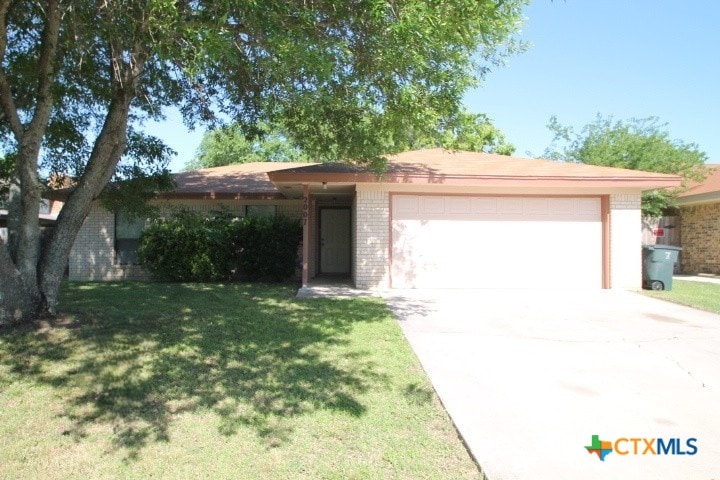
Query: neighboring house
(700, 225)
(435, 219)
(49, 210)
(49, 207)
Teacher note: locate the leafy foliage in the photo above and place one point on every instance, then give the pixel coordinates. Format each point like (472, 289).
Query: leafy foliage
(191, 248)
(637, 144)
(464, 131)
(268, 246)
(6, 168)
(230, 145)
(131, 196)
(79, 78)
(187, 248)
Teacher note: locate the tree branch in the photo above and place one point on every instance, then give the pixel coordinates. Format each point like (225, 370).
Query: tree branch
(109, 147)
(46, 70)
(6, 99)
(30, 141)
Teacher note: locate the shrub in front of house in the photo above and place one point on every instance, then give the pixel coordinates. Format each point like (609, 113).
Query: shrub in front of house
(190, 247)
(267, 247)
(187, 248)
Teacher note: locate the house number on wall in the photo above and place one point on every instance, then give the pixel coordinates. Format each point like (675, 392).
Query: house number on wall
(305, 210)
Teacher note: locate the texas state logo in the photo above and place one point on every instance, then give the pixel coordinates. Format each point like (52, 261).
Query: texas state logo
(641, 446)
(600, 447)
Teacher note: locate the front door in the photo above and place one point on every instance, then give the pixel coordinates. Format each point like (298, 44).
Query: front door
(335, 240)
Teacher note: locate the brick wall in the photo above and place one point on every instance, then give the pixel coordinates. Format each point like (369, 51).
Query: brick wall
(625, 241)
(700, 238)
(92, 257)
(372, 238)
(93, 254)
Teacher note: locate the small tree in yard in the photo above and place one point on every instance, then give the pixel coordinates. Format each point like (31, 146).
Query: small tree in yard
(637, 144)
(78, 78)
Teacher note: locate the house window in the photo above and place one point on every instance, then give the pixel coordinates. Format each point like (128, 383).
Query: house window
(45, 205)
(127, 239)
(260, 210)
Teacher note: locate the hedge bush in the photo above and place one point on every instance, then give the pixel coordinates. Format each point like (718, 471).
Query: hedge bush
(191, 248)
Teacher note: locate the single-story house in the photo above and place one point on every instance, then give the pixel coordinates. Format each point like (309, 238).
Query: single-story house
(434, 219)
(700, 225)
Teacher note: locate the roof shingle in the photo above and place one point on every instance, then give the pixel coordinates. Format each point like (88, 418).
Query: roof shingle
(710, 185)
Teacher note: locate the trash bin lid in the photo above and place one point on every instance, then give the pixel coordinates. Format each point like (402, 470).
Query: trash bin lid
(666, 247)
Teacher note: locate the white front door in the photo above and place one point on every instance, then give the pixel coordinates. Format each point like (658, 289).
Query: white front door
(335, 240)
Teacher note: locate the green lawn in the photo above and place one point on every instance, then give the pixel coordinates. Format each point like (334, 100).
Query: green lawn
(703, 295)
(233, 381)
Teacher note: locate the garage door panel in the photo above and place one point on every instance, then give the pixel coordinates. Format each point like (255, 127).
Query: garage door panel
(495, 250)
(459, 205)
(485, 205)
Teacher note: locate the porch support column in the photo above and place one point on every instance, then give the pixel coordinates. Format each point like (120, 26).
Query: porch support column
(306, 235)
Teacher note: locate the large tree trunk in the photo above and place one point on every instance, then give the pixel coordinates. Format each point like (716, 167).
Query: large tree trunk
(31, 280)
(106, 154)
(20, 291)
(108, 148)
(15, 303)
(28, 234)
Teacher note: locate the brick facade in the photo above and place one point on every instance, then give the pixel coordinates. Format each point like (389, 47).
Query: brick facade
(92, 257)
(700, 238)
(372, 238)
(93, 254)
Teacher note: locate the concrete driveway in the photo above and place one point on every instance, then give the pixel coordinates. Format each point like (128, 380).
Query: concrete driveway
(529, 376)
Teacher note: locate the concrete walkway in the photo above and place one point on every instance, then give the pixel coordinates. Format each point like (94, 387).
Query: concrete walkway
(333, 288)
(529, 376)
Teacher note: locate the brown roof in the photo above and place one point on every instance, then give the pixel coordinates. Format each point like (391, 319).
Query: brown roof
(710, 185)
(231, 181)
(453, 163)
(438, 166)
(454, 167)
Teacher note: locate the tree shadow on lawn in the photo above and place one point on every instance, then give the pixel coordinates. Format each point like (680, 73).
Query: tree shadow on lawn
(251, 354)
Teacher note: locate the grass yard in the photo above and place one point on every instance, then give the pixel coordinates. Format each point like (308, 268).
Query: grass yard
(141, 380)
(703, 295)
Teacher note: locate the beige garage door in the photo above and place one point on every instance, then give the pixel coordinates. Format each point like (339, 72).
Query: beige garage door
(495, 242)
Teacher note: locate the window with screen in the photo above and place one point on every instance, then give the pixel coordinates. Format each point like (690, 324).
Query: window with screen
(260, 210)
(127, 239)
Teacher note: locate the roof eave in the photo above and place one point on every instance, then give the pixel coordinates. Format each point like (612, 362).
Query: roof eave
(700, 198)
(642, 183)
(179, 195)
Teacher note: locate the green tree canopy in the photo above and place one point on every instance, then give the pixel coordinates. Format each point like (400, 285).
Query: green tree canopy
(636, 144)
(464, 131)
(229, 144)
(78, 79)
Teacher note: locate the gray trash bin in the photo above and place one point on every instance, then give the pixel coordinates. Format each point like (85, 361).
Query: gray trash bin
(658, 264)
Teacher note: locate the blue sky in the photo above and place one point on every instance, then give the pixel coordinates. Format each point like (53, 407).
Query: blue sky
(625, 58)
